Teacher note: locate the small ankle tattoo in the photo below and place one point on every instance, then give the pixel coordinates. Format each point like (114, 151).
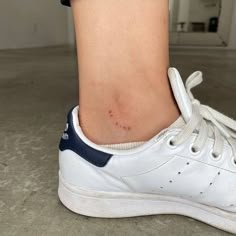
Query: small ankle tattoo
(124, 127)
(110, 113)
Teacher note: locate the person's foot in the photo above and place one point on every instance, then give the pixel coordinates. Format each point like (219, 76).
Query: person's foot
(187, 169)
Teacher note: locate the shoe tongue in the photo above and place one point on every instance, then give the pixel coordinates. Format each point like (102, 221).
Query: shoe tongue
(180, 94)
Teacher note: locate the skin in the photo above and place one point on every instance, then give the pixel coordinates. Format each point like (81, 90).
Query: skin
(123, 57)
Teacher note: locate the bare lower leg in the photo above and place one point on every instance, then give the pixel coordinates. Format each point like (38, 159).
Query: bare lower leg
(123, 58)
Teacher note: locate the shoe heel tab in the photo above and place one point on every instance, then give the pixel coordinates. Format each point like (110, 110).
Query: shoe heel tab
(70, 140)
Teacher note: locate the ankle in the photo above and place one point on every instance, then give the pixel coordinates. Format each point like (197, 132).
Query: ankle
(128, 116)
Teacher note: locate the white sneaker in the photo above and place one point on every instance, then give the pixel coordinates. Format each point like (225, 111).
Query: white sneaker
(188, 169)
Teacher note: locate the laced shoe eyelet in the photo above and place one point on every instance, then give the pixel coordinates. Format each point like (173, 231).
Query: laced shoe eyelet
(171, 143)
(215, 156)
(194, 151)
(233, 161)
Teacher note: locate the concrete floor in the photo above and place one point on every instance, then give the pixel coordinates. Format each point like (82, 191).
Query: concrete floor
(37, 87)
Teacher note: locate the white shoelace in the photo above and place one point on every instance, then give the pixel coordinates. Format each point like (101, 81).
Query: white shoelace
(207, 122)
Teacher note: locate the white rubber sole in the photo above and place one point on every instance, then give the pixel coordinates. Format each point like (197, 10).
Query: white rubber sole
(120, 205)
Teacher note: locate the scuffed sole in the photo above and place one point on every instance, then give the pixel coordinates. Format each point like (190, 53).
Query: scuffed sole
(119, 205)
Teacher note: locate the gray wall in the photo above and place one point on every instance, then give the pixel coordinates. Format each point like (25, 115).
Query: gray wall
(71, 30)
(30, 23)
(232, 40)
(33, 23)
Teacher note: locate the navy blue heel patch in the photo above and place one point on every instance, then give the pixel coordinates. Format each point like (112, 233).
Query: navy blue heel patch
(71, 141)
